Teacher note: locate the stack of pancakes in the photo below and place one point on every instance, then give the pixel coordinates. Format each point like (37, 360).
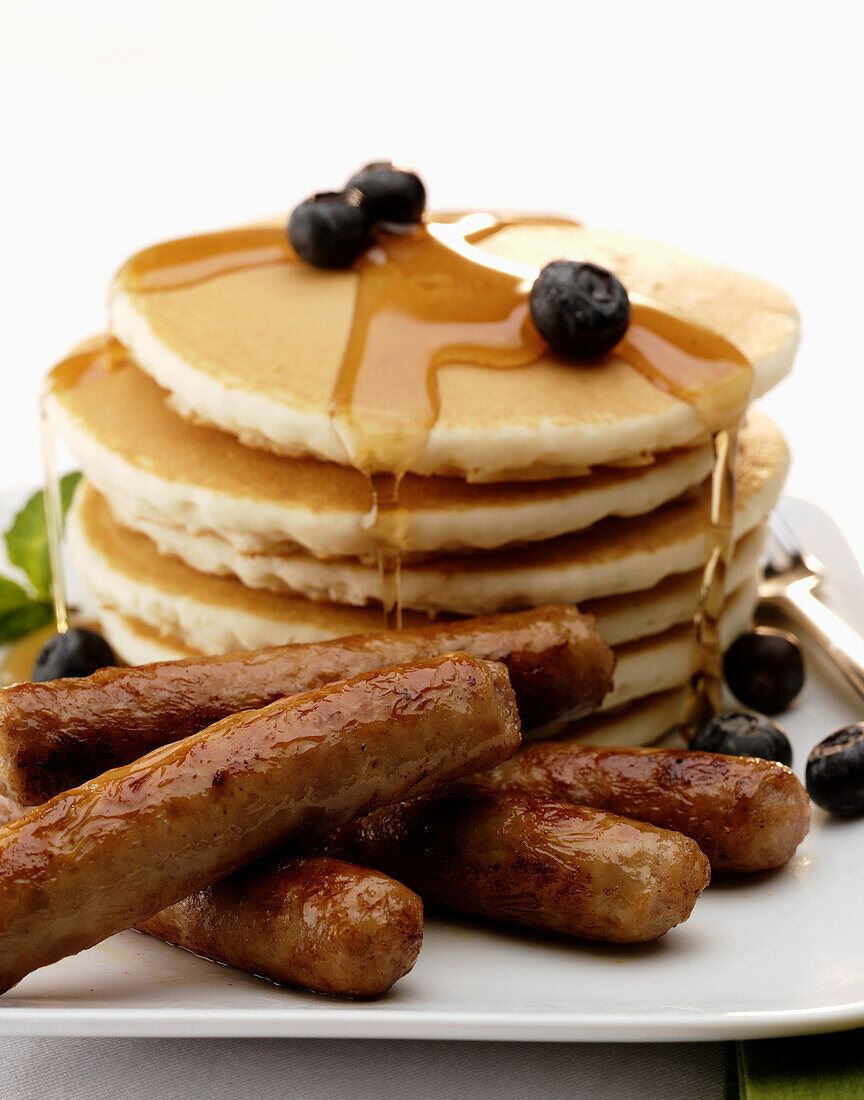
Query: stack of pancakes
(221, 511)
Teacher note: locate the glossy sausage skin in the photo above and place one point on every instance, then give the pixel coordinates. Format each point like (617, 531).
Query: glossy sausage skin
(113, 852)
(56, 735)
(745, 814)
(534, 861)
(306, 921)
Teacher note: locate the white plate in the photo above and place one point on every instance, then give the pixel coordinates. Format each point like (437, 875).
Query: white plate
(764, 955)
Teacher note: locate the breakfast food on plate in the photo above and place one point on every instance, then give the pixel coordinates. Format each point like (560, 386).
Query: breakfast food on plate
(450, 419)
(295, 436)
(101, 857)
(308, 921)
(56, 735)
(745, 815)
(540, 862)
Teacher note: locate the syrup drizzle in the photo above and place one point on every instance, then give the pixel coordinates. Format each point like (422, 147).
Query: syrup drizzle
(93, 360)
(431, 298)
(53, 522)
(191, 260)
(705, 696)
(19, 657)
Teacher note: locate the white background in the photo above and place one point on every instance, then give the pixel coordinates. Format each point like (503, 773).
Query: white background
(732, 129)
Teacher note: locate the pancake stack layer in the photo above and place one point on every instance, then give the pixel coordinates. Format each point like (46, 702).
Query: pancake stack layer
(225, 505)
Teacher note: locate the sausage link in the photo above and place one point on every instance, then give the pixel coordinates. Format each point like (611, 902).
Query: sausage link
(534, 861)
(745, 814)
(313, 922)
(98, 858)
(56, 735)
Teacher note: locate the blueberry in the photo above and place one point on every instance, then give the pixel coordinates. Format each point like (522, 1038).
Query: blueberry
(390, 194)
(741, 734)
(765, 670)
(580, 309)
(330, 230)
(835, 772)
(78, 652)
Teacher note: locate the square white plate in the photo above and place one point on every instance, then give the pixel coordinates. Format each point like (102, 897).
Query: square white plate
(763, 955)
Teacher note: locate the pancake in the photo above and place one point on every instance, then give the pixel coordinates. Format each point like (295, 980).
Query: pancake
(612, 557)
(642, 722)
(157, 468)
(137, 643)
(257, 352)
(219, 614)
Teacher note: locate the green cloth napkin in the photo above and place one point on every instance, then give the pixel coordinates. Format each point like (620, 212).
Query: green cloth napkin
(812, 1067)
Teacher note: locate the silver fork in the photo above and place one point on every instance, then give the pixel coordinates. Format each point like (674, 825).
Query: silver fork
(792, 578)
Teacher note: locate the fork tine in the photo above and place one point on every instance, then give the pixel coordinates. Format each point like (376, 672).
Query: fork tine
(778, 560)
(783, 550)
(783, 533)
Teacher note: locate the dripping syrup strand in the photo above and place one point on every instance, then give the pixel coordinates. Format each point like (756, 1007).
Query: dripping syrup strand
(705, 695)
(20, 657)
(99, 356)
(189, 260)
(53, 521)
(438, 306)
(385, 522)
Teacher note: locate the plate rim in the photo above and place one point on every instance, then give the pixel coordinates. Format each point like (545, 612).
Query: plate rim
(444, 1025)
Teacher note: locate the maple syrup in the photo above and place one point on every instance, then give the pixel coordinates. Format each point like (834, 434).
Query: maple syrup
(90, 361)
(53, 522)
(16, 666)
(19, 658)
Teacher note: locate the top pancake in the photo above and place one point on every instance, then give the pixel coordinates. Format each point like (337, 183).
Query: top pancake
(257, 353)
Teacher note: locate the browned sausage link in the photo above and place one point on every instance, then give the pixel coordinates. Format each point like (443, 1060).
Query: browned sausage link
(535, 861)
(745, 814)
(56, 735)
(307, 921)
(98, 858)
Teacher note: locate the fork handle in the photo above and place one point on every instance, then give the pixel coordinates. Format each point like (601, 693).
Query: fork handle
(832, 635)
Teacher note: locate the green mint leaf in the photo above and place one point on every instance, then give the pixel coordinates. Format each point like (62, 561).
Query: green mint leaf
(12, 596)
(27, 538)
(19, 614)
(24, 620)
(68, 485)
